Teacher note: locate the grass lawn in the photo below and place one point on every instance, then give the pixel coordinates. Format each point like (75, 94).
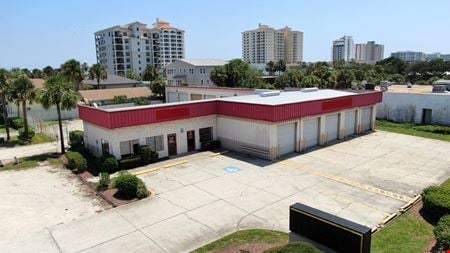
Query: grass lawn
(2, 129)
(446, 184)
(245, 237)
(38, 138)
(427, 131)
(406, 234)
(32, 161)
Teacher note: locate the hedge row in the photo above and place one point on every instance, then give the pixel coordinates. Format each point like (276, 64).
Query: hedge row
(76, 162)
(131, 186)
(436, 201)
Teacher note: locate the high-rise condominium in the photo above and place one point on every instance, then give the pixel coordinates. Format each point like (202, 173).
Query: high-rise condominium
(264, 44)
(343, 49)
(369, 52)
(132, 47)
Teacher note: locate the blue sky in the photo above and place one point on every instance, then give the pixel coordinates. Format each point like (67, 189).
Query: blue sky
(45, 32)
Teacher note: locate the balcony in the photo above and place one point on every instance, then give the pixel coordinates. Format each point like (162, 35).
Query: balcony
(118, 34)
(119, 47)
(120, 67)
(118, 41)
(119, 54)
(120, 60)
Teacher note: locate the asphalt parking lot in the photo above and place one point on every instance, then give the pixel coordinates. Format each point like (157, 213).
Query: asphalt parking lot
(205, 195)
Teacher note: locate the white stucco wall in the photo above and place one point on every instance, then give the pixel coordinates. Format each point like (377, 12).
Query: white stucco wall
(94, 134)
(407, 107)
(180, 71)
(36, 112)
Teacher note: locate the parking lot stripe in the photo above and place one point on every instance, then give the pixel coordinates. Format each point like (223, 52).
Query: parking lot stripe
(140, 172)
(346, 181)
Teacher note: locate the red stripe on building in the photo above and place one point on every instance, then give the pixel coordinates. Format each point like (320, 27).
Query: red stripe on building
(273, 113)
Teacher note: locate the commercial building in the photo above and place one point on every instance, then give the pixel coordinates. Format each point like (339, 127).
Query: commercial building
(134, 46)
(191, 93)
(267, 125)
(343, 49)
(369, 52)
(264, 44)
(417, 104)
(192, 71)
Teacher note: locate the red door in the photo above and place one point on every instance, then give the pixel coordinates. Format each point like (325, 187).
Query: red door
(191, 140)
(172, 144)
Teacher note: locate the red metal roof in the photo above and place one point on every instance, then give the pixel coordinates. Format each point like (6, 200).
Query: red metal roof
(273, 113)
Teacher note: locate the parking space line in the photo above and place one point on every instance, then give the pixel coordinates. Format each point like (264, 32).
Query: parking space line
(349, 182)
(140, 172)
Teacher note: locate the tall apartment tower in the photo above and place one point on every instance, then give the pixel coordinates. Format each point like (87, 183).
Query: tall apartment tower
(264, 44)
(409, 56)
(134, 46)
(369, 52)
(343, 49)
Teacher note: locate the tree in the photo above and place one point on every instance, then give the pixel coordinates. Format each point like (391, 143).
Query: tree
(310, 81)
(26, 72)
(60, 93)
(48, 71)
(98, 72)
(271, 68)
(21, 91)
(280, 66)
(236, 73)
(71, 70)
(120, 99)
(344, 78)
(290, 78)
(131, 75)
(37, 73)
(84, 67)
(151, 73)
(158, 86)
(4, 87)
(397, 78)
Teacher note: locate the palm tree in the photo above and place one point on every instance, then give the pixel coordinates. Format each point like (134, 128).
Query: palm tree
(4, 85)
(21, 91)
(60, 93)
(271, 68)
(71, 69)
(98, 72)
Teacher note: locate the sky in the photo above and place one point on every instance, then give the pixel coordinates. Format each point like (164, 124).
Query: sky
(48, 32)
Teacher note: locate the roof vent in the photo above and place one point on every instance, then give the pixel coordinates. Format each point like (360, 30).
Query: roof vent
(269, 93)
(309, 89)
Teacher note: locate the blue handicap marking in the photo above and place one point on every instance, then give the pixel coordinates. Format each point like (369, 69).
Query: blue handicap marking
(231, 169)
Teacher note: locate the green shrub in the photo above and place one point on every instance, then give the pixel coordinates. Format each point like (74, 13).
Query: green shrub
(145, 154)
(442, 232)
(108, 163)
(298, 247)
(436, 201)
(31, 134)
(141, 191)
(75, 161)
(17, 123)
(154, 156)
(210, 145)
(76, 139)
(130, 163)
(104, 180)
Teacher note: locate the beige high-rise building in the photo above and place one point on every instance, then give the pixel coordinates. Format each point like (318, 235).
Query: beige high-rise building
(369, 52)
(264, 44)
(132, 47)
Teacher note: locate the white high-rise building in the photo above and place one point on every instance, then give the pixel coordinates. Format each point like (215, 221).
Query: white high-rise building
(264, 44)
(343, 49)
(369, 52)
(134, 46)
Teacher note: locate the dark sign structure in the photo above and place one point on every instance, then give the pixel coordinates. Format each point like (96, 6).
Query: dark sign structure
(329, 230)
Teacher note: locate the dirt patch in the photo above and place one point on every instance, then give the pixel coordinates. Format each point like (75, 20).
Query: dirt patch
(254, 247)
(113, 197)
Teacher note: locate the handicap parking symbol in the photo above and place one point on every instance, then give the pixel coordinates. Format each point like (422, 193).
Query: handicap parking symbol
(231, 169)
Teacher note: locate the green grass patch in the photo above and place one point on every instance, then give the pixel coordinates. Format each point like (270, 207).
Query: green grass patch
(446, 184)
(32, 162)
(406, 234)
(51, 122)
(2, 129)
(38, 138)
(244, 237)
(428, 131)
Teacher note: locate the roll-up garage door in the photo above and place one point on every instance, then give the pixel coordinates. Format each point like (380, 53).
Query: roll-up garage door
(286, 138)
(350, 123)
(196, 96)
(183, 97)
(172, 97)
(332, 127)
(311, 132)
(366, 119)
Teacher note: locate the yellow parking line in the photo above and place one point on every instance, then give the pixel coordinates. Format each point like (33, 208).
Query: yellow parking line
(219, 153)
(346, 181)
(140, 172)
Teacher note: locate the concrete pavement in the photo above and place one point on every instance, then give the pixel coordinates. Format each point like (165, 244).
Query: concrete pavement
(7, 154)
(211, 196)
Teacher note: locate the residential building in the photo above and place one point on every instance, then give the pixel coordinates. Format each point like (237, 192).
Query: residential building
(266, 125)
(105, 97)
(409, 56)
(369, 52)
(132, 47)
(191, 71)
(264, 44)
(111, 82)
(343, 49)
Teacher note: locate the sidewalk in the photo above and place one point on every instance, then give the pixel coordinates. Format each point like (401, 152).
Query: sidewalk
(28, 150)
